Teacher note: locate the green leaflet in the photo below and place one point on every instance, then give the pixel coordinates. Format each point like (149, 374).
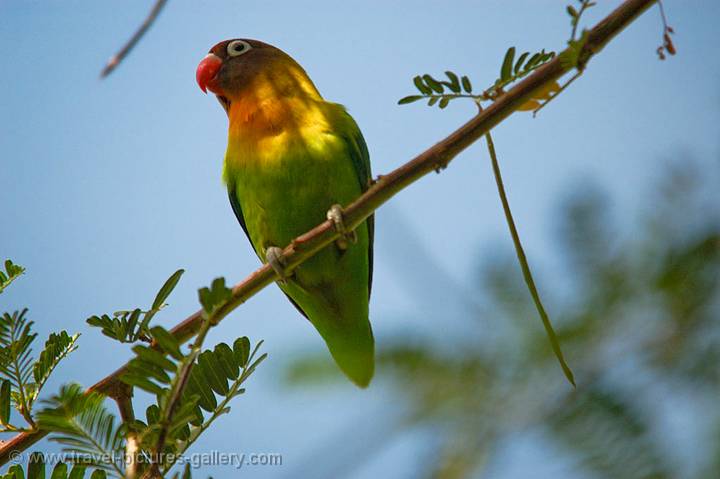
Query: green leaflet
(129, 326)
(11, 273)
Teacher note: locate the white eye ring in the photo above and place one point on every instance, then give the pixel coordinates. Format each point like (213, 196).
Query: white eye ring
(238, 47)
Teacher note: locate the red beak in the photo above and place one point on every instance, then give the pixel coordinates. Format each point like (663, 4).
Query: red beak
(207, 70)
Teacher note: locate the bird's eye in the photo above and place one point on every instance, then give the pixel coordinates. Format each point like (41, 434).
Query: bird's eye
(238, 47)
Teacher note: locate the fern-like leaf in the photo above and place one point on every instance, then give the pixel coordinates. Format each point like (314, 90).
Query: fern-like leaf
(236, 365)
(214, 379)
(513, 70)
(16, 339)
(36, 469)
(127, 326)
(81, 423)
(57, 347)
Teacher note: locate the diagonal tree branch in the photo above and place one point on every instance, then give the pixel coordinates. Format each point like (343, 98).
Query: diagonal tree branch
(387, 186)
(125, 50)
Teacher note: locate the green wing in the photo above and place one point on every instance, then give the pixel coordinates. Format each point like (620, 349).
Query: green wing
(358, 152)
(237, 209)
(361, 161)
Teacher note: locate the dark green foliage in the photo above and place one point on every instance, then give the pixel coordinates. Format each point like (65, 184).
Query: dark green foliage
(123, 327)
(15, 472)
(439, 92)
(152, 370)
(5, 400)
(506, 69)
(184, 385)
(466, 84)
(57, 347)
(81, 423)
(442, 92)
(454, 83)
(216, 367)
(36, 466)
(512, 70)
(166, 289)
(241, 350)
(129, 326)
(215, 296)
(60, 471)
(12, 271)
(166, 341)
(16, 337)
(409, 99)
(36, 469)
(23, 377)
(214, 380)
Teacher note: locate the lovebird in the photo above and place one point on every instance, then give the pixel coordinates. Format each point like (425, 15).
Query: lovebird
(292, 159)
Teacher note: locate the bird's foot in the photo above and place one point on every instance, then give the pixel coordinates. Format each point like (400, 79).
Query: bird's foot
(335, 214)
(276, 260)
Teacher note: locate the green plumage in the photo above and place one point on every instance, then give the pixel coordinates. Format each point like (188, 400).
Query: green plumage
(291, 156)
(282, 188)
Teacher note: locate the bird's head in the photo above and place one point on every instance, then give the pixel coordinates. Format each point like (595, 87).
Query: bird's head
(242, 69)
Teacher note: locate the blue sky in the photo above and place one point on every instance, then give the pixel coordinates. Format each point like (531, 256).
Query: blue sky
(109, 186)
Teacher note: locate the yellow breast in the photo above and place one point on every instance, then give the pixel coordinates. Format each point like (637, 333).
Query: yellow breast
(273, 129)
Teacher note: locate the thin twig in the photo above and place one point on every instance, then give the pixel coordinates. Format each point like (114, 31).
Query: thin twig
(386, 187)
(662, 15)
(524, 266)
(576, 20)
(125, 50)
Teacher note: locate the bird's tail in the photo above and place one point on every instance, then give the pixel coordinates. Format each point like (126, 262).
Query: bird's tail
(345, 327)
(353, 348)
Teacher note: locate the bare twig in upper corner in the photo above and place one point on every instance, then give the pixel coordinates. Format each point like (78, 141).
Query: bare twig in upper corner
(120, 56)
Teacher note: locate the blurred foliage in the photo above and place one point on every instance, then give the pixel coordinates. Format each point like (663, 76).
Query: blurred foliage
(639, 323)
